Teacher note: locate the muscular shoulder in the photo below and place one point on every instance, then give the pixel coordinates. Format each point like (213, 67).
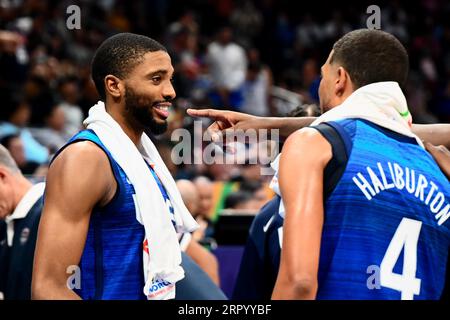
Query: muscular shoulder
(308, 144)
(82, 168)
(83, 157)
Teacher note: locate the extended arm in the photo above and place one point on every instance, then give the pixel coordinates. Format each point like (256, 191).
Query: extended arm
(437, 134)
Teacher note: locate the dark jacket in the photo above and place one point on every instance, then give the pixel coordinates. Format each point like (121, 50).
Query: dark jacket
(16, 262)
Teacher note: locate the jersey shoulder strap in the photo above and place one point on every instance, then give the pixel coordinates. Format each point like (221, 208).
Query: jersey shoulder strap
(341, 143)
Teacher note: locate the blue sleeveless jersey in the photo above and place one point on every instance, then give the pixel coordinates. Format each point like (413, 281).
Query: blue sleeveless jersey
(386, 228)
(111, 264)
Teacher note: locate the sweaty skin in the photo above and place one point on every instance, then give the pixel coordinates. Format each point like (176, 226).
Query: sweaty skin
(303, 160)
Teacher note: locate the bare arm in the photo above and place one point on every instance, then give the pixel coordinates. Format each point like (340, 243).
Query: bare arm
(304, 157)
(205, 259)
(437, 134)
(230, 120)
(77, 180)
(442, 156)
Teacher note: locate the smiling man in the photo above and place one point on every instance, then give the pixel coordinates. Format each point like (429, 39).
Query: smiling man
(111, 207)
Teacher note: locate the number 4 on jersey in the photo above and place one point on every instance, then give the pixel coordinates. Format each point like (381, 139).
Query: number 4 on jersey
(406, 236)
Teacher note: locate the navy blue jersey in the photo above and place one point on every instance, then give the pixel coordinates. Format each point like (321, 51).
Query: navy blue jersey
(261, 258)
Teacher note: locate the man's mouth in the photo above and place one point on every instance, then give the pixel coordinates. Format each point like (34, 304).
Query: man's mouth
(162, 109)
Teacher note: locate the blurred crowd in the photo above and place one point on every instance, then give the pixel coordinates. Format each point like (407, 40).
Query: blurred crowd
(249, 56)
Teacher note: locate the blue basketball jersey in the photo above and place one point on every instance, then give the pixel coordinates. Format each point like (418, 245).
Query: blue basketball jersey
(386, 228)
(112, 260)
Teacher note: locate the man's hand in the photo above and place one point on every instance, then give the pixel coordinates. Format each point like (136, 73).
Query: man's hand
(226, 122)
(442, 156)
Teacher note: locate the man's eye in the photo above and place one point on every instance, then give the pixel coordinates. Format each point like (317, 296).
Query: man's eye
(156, 79)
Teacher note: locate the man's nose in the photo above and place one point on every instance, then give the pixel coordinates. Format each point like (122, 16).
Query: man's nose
(169, 91)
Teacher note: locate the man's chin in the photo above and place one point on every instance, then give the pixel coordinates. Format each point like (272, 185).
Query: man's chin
(156, 127)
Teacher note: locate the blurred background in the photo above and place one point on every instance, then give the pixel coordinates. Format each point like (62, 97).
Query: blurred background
(273, 52)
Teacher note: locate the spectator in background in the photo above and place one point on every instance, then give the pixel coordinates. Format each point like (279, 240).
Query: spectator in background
(15, 113)
(20, 206)
(165, 150)
(14, 144)
(69, 91)
(205, 190)
(187, 20)
(310, 80)
(257, 85)
(336, 27)
(305, 110)
(241, 201)
(247, 22)
(257, 188)
(52, 135)
(206, 260)
(13, 58)
(227, 64)
(308, 32)
(183, 49)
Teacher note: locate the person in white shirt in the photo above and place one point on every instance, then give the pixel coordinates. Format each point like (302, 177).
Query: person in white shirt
(227, 63)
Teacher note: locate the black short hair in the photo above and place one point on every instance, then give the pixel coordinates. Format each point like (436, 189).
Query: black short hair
(371, 56)
(237, 198)
(6, 140)
(118, 55)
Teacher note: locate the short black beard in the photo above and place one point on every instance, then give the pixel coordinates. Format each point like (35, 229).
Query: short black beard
(138, 108)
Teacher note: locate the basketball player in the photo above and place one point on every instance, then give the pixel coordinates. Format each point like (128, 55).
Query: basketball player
(305, 280)
(89, 217)
(388, 196)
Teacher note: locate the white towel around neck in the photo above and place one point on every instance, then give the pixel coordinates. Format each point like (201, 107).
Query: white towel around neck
(382, 103)
(162, 264)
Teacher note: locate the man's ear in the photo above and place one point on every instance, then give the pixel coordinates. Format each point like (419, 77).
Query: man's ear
(3, 173)
(342, 82)
(114, 86)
